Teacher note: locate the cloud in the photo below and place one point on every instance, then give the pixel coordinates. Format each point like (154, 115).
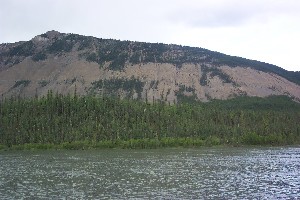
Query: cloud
(231, 13)
(249, 28)
(131, 19)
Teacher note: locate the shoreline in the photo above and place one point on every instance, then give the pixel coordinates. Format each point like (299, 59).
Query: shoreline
(143, 144)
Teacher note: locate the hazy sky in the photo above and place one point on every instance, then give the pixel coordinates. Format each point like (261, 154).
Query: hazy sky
(264, 30)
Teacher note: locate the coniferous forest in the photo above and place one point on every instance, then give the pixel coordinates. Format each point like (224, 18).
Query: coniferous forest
(79, 122)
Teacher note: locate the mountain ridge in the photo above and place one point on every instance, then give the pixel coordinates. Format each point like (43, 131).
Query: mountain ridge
(148, 71)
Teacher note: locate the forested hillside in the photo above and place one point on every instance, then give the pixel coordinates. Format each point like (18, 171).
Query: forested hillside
(88, 121)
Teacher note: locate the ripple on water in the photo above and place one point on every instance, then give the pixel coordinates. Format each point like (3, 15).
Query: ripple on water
(210, 173)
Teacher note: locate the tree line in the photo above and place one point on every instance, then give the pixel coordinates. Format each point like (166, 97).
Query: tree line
(56, 119)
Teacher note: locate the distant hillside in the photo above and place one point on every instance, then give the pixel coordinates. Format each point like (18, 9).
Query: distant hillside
(65, 63)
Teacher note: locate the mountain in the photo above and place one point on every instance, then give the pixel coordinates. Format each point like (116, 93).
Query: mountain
(69, 63)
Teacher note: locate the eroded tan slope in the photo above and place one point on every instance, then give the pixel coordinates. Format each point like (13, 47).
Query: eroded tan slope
(52, 74)
(161, 80)
(262, 84)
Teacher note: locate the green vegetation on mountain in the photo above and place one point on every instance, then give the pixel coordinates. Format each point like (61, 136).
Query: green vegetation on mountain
(233, 61)
(60, 45)
(43, 83)
(213, 71)
(82, 122)
(182, 98)
(118, 53)
(111, 86)
(39, 56)
(23, 49)
(21, 82)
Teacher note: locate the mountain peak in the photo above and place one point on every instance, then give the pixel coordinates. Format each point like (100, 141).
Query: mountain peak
(52, 34)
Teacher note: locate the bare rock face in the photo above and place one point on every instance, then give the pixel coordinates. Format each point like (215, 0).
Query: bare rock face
(69, 63)
(262, 84)
(52, 34)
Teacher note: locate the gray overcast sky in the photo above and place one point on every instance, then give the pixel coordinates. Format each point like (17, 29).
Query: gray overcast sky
(264, 30)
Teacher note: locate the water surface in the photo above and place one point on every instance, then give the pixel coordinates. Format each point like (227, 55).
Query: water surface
(204, 173)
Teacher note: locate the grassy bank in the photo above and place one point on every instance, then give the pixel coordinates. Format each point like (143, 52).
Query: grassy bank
(247, 139)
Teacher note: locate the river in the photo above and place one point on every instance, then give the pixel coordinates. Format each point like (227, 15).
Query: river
(179, 173)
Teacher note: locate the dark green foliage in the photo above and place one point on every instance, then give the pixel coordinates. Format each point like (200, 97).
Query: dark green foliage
(43, 83)
(2, 147)
(117, 57)
(73, 80)
(66, 43)
(113, 85)
(73, 122)
(119, 52)
(274, 103)
(39, 56)
(189, 89)
(149, 52)
(21, 82)
(86, 42)
(253, 138)
(154, 84)
(119, 62)
(12, 61)
(125, 144)
(186, 99)
(115, 52)
(60, 45)
(24, 49)
(182, 98)
(203, 79)
(217, 72)
(214, 71)
(44, 35)
(135, 58)
(92, 57)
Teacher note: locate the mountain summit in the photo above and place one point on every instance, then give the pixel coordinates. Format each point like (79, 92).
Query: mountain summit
(68, 63)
